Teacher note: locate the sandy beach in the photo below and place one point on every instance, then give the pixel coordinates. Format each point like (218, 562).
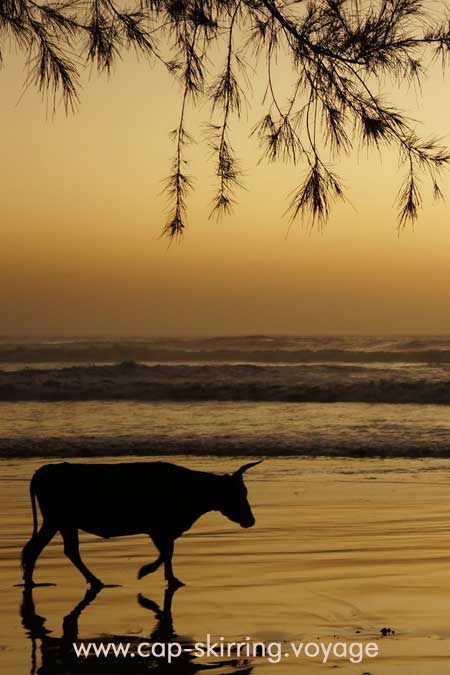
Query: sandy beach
(341, 549)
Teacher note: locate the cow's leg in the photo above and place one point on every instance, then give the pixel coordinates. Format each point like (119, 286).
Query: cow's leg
(165, 547)
(167, 553)
(151, 567)
(33, 549)
(72, 551)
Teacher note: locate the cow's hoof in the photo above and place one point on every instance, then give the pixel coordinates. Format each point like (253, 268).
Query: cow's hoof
(148, 569)
(144, 570)
(174, 583)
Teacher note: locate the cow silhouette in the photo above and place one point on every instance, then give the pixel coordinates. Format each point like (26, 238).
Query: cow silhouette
(160, 499)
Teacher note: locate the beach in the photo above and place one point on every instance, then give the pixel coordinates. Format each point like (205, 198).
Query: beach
(206, 264)
(341, 549)
(351, 546)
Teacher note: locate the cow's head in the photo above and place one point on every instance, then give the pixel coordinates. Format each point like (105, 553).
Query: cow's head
(233, 501)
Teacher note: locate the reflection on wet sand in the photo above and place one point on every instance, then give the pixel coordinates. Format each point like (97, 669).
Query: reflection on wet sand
(56, 656)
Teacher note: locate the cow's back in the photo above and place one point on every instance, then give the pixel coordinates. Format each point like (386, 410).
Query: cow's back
(112, 499)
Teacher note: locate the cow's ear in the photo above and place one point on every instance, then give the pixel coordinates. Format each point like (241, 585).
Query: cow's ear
(240, 471)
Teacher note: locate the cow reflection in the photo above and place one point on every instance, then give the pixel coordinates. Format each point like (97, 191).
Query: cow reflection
(55, 656)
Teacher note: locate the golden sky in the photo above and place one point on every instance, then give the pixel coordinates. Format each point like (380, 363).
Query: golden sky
(81, 215)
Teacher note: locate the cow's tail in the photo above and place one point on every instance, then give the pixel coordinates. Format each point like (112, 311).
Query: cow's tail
(26, 552)
(33, 504)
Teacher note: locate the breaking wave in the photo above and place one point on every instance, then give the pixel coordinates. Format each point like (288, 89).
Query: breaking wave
(321, 383)
(244, 349)
(243, 396)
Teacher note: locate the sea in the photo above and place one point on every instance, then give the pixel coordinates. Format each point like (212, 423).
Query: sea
(256, 395)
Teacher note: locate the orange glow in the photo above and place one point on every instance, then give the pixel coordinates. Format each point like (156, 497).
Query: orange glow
(82, 214)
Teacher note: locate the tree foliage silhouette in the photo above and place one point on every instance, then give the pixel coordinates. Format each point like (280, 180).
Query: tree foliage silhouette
(341, 54)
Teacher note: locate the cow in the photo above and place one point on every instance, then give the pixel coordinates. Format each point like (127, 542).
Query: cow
(160, 499)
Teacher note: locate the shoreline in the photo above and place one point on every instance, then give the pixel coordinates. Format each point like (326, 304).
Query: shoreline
(63, 449)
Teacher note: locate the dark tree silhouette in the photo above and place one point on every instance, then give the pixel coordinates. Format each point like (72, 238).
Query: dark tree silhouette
(341, 54)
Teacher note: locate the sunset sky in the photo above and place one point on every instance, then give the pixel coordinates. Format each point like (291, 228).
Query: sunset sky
(82, 213)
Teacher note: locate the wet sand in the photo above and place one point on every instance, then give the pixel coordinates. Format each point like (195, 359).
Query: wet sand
(341, 549)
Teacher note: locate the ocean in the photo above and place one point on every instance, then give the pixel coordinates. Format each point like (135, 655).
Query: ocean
(247, 395)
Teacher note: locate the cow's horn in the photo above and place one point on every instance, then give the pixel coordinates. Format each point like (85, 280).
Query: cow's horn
(240, 471)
